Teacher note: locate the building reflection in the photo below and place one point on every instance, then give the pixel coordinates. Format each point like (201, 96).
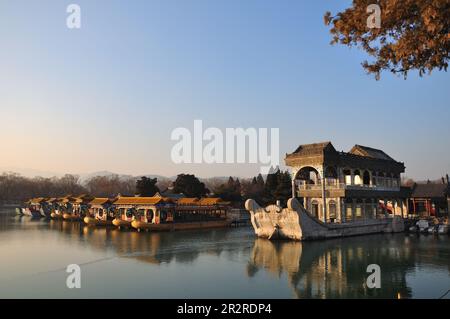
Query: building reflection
(11, 222)
(152, 248)
(336, 268)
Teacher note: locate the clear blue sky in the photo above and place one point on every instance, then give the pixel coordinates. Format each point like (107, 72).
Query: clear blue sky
(107, 96)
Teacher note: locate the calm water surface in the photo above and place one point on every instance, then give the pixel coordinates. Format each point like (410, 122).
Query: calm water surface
(223, 263)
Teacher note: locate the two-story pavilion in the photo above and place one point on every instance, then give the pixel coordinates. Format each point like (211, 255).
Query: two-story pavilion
(346, 186)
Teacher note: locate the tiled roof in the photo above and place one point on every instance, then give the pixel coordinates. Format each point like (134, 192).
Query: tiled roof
(37, 200)
(430, 190)
(207, 201)
(370, 152)
(99, 201)
(210, 201)
(172, 195)
(83, 199)
(67, 199)
(140, 200)
(315, 148)
(187, 201)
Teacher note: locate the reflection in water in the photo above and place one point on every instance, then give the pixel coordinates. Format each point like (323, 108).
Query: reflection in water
(221, 263)
(154, 248)
(337, 268)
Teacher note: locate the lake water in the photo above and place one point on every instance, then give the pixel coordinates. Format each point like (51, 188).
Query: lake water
(221, 263)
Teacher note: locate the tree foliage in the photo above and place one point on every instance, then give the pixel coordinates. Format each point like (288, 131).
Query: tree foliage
(254, 188)
(283, 191)
(111, 186)
(277, 186)
(146, 186)
(231, 191)
(190, 186)
(16, 188)
(414, 34)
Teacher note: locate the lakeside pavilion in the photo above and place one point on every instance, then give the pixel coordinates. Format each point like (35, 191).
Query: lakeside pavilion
(338, 187)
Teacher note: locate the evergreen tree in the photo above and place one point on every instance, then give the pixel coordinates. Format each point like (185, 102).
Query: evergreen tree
(146, 186)
(270, 187)
(237, 187)
(230, 182)
(190, 186)
(284, 188)
(231, 191)
(260, 180)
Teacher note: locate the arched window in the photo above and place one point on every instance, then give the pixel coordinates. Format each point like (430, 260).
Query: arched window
(111, 212)
(374, 178)
(308, 175)
(163, 216)
(347, 176)
(140, 214)
(129, 213)
(366, 178)
(358, 179)
(150, 215)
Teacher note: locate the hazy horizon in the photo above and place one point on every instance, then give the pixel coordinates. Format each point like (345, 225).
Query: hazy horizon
(106, 97)
(86, 175)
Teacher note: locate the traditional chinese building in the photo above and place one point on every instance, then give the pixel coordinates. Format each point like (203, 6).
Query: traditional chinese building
(431, 199)
(346, 186)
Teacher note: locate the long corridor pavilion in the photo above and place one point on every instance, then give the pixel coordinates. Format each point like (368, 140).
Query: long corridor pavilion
(338, 187)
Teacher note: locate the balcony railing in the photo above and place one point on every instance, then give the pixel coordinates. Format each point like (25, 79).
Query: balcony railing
(331, 186)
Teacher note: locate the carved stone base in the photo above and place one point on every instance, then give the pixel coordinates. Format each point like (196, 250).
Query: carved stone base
(295, 223)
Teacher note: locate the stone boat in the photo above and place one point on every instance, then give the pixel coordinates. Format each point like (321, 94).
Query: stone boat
(295, 223)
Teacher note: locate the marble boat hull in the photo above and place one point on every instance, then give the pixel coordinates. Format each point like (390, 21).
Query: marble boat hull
(295, 223)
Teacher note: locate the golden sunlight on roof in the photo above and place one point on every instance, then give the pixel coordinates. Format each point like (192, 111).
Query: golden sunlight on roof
(99, 201)
(37, 200)
(211, 201)
(141, 200)
(187, 201)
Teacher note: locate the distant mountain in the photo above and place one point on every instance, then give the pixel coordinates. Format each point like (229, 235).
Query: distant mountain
(29, 172)
(86, 177)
